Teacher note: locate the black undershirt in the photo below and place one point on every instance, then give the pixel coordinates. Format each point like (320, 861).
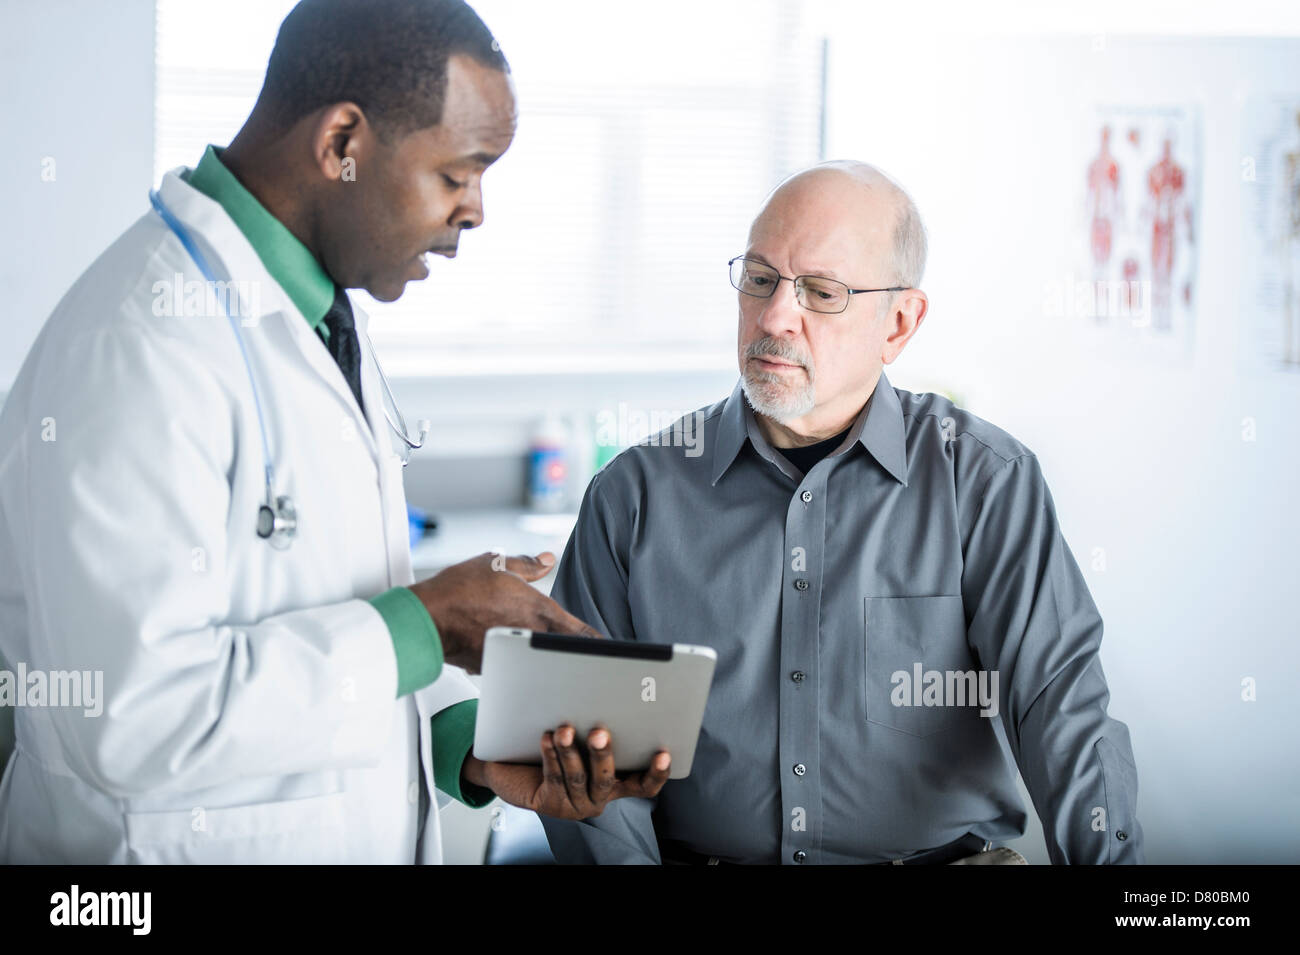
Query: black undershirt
(806, 457)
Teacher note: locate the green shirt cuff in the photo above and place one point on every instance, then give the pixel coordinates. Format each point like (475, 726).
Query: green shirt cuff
(453, 738)
(415, 639)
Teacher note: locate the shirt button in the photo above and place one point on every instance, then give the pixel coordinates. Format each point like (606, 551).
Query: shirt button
(801, 584)
(797, 676)
(1121, 835)
(799, 856)
(806, 496)
(800, 769)
(413, 792)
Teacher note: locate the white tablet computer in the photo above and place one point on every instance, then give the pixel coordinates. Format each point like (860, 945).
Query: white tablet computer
(650, 696)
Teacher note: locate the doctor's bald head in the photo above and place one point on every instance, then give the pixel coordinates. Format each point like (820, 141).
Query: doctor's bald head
(375, 124)
(856, 237)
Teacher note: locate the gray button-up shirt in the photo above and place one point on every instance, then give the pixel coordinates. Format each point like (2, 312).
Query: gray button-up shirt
(893, 629)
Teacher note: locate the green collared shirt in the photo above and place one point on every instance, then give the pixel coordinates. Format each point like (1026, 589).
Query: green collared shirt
(416, 643)
(290, 263)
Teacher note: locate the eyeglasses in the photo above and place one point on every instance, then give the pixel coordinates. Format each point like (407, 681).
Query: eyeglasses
(814, 292)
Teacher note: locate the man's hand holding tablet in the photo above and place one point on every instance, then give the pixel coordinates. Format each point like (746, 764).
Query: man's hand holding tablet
(568, 784)
(644, 700)
(469, 598)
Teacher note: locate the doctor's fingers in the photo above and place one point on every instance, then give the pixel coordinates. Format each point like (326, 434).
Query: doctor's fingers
(559, 620)
(521, 565)
(550, 616)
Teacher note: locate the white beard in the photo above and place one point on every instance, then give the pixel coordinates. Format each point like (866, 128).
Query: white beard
(770, 395)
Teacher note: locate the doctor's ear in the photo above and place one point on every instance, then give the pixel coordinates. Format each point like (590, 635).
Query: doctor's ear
(341, 138)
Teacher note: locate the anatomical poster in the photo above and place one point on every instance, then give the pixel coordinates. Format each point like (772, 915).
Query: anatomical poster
(1135, 247)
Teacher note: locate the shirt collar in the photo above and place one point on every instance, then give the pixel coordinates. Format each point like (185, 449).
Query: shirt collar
(878, 427)
(287, 260)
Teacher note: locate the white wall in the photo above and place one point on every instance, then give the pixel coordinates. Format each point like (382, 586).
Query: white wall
(1144, 454)
(78, 82)
(76, 167)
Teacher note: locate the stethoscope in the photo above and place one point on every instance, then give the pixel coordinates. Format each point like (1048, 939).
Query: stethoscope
(277, 518)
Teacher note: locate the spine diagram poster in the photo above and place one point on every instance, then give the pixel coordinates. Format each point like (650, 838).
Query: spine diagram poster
(1270, 174)
(1136, 245)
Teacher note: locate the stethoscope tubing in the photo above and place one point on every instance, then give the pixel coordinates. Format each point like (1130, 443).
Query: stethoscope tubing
(201, 261)
(281, 508)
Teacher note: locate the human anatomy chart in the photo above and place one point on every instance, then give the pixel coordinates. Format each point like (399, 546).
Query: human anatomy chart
(1136, 247)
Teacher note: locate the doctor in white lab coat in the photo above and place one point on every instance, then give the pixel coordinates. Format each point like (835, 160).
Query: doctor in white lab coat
(259, 703)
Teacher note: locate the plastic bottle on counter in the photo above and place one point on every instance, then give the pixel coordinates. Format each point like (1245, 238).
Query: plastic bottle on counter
(548, 466)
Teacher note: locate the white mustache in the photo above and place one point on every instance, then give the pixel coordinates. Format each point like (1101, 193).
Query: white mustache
(777, 349)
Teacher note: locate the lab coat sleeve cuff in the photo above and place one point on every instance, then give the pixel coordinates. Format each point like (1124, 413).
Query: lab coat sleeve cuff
(453, 738)
(416, 643)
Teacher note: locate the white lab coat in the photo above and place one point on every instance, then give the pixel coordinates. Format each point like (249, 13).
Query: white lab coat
(250, 709)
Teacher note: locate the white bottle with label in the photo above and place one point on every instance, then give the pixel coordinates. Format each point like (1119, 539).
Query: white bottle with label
(548, 466)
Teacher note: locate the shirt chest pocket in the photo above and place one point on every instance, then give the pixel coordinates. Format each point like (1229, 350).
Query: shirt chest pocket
(918, 676)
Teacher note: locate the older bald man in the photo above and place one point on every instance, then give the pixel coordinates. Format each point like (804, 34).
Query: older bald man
(896, 615)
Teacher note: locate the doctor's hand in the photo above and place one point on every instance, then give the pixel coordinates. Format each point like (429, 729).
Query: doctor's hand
(491, 590)
(568, 785)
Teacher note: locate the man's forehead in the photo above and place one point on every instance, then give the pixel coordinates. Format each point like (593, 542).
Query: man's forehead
(821, 239)
(475, 134)
(471, 84)
(479, 103)
(479, 109)
(486, 135)
(835, 262)
(477, 146)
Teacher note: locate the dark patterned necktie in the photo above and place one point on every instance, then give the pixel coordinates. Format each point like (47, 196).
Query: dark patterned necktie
(342, 344)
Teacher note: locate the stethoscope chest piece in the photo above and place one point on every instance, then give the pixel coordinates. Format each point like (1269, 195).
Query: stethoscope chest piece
(278, 525)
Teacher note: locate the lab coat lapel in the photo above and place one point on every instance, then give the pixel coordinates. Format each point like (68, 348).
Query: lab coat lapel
(233, 256)
(387, 459)
(225, 247)
(371, 390)
(315, 353)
